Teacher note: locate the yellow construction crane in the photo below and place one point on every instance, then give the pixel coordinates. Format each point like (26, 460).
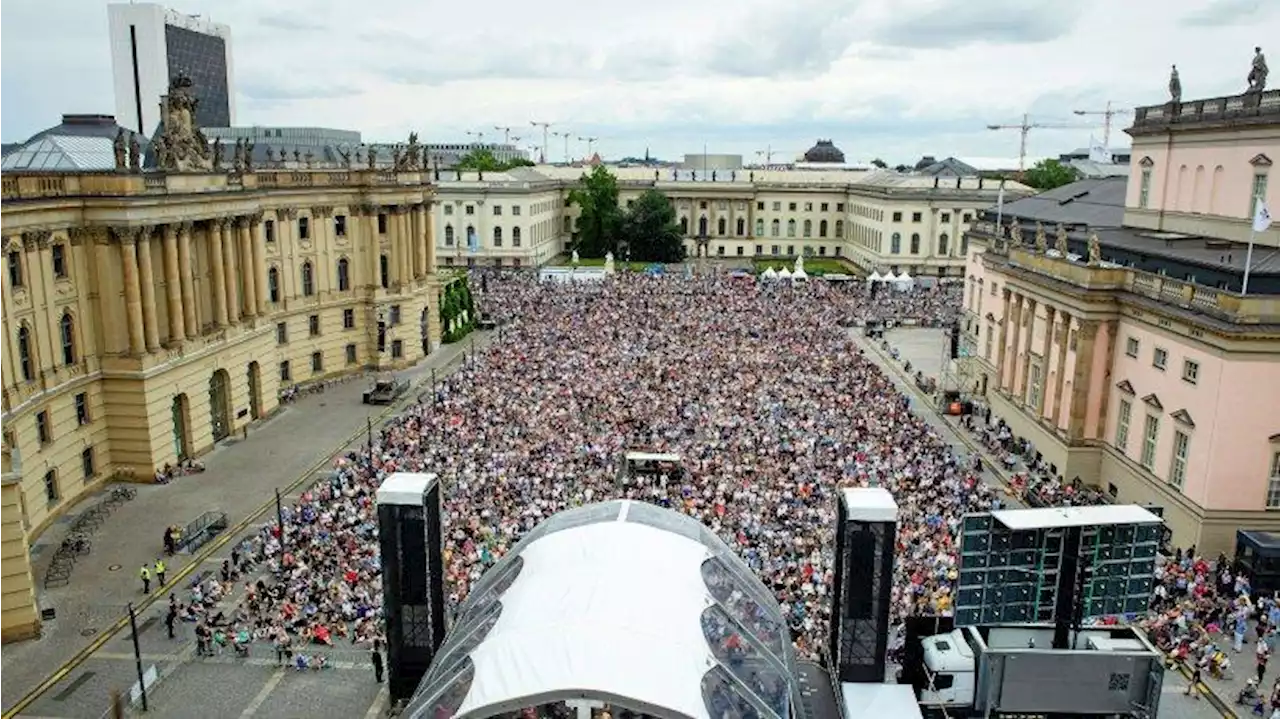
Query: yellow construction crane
(1025, 127)
(1107, 116)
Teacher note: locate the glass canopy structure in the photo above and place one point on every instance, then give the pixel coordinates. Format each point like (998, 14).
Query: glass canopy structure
(621, 602)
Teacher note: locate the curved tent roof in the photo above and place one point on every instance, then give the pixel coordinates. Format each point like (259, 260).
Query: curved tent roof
(623, 602)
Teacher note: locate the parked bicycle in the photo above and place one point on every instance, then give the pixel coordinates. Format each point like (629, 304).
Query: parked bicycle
(123, 494)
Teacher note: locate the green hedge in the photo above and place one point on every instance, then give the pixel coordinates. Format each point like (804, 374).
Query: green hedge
(457, 311)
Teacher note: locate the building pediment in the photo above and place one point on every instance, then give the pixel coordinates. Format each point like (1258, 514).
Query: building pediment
(1147, 162)
(1260, 160)
(1153, 401)
(1124, 386)
(1183, 417)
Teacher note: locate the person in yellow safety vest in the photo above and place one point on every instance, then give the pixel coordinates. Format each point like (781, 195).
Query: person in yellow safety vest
(160, 570)
(145, 575)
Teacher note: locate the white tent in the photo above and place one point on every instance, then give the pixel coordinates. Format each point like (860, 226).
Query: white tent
(903, 281)
(769, 274)
(799, 274)
(874, 277)
(785, 274)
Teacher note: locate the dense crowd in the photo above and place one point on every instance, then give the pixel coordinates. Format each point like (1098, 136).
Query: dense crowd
(757, 386)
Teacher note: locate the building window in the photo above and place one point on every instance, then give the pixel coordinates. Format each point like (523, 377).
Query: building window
(344, 275)
(1035, 386)
(775, 228)
(946, 216)
(1131, 347)
(741, 250)
(87, 463)
(448, 209)
(760, 207)
(568, 224)
(839, 229)
(15, 269)
(282, 333)
(1150, 436)
(308, 280)
(777, 207)
(1178, 464)
(964, 245)
(822, 250)
(317, 362)
(348, 319)
(44, 431)
(304, 228)
(384, 269)
(515, 233)
(515, 210)
(759, 227)
(382, 224)
(991, 330)
(448, 235)
(895, 244)
(1144, 190)
(1259, 193)
(915, 243)
(791, 228)
(51, 486)
(916, 216)
(773, 250)
(943, 242)
(759, 249)
(82, 409)
(808, 207)
(313, 325)
(269, 230)
(393, 317)
(1273, 485)
(1159, 358)
(791, 206)
(397, 349)
(497, 210)
(273, 284)
(1190, 371)
(58, 253)
(897, 217)
(471, 209)
(791, 250)
(684, 225)
(722, 227)
(497, 237)
(285, 375)
(340, 225)
(351, 354)
(808, 228)
(822, 228)
(67, 333)
(24, 354)
(1122, 425)
(825, 207)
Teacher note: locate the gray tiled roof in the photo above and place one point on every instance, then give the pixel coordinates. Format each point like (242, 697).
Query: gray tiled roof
(1097, 203)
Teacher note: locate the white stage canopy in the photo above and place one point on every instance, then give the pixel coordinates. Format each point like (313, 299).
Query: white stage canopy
(621, 602)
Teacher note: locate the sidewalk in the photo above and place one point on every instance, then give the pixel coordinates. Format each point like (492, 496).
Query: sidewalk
(240, 479)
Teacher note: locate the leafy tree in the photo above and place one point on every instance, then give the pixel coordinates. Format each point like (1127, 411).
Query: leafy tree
(650, 229)
(879, 163)
(1048, 174)
(482, 159)
(599, 219)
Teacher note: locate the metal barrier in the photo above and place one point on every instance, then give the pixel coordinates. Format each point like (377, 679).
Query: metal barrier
(204, 528)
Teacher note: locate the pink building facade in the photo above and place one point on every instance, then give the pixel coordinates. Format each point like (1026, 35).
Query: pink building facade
(1158, 391)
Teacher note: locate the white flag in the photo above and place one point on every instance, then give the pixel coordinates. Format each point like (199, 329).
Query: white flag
(1097, 152)
(1261, 217)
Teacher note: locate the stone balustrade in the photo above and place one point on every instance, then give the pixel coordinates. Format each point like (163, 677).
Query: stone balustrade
(1211, 110)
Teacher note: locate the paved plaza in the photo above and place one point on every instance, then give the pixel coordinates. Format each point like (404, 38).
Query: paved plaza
(87, 649)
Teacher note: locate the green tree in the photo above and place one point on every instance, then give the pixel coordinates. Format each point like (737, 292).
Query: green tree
(1048, 174)
(482, 159)
(599, 219)
(879, 163)
(650, 229)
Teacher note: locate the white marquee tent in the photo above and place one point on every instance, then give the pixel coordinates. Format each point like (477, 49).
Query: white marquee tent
(604, 602)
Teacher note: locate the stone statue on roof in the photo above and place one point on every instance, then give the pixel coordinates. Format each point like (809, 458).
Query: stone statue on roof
(135, 153)
(237, 156)
(1015, 233)
(373, 157)
(1175, 86)
(1041, 243)
(345, 154)
(1095, 250)
(217, 154)
(248, 155)
(121, 149)
(161, 150)
(1060, 240)
(187, 149)
(1258, 71)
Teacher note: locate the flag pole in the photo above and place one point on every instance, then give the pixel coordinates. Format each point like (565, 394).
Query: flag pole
(1261, 221)
(1248, 260)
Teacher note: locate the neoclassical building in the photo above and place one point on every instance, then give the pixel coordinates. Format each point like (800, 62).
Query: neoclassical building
(1105, 322)
(148, 315)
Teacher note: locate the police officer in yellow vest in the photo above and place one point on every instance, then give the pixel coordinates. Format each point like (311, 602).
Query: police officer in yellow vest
(145, 575)
(160, 569)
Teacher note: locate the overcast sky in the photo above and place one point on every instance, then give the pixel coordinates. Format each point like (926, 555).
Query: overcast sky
(895, 79)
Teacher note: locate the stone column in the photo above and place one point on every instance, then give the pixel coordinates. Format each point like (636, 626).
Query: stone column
(1015, 318)
(248, 273)
(1005, 320)
(128, 238)
(190, 324)
(1063, 343)
(173, 285)
(431, 238)
(147, 280)
(217, 231)
(229, 270)
(259, 263)
(404, 263)
(1025, 365)
(1046, 346)
(1086, 338)
(419, 242)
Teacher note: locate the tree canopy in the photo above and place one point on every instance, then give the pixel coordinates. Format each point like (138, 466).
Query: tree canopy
(1048, 174)
(879, 163)
(646, 232)
(482, 159)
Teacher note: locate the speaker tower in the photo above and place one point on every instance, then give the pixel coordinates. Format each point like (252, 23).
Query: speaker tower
(866, 529)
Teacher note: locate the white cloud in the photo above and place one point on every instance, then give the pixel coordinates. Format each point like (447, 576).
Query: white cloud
(883, 78)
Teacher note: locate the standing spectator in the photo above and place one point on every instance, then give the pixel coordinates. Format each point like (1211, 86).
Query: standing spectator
(376, 657)
(145, 575)
(160, 570)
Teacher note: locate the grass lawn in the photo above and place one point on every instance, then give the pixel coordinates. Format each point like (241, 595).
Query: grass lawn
(567, 261)
(816, 266)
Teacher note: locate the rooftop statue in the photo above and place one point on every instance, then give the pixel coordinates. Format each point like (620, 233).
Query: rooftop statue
(1175, 85)
(1258, 71)
(217, 154)
(1041, 243)
(1060, 240)
(1095, 250)
(1015, 233)
(187, 150)
(121, 148)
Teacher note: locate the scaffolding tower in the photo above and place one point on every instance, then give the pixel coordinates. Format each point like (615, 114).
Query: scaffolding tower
(960, 379)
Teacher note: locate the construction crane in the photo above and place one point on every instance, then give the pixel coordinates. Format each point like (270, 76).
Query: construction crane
(506, 134)
(479, 137)
(545, 127)
(591, 143)
(1107, 116)
(566, 135)
(767, 154)
(1025, 127)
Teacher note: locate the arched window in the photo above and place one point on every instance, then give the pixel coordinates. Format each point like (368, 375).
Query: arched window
(273, 284)
(24, 354)
(915, 243)
(895, 244)
(344, 275)
(943, 242)
(684, 225)
(742, 226)
(840, 228)
(722, 225)
(308, 280)
(822, 228)
(448, 235)
(497, 237)
(791, 228)
(759, 227)
(808, 228)
(384, 270)
(515, 236)
(775, 228)
(964, 245)
(67, 331)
